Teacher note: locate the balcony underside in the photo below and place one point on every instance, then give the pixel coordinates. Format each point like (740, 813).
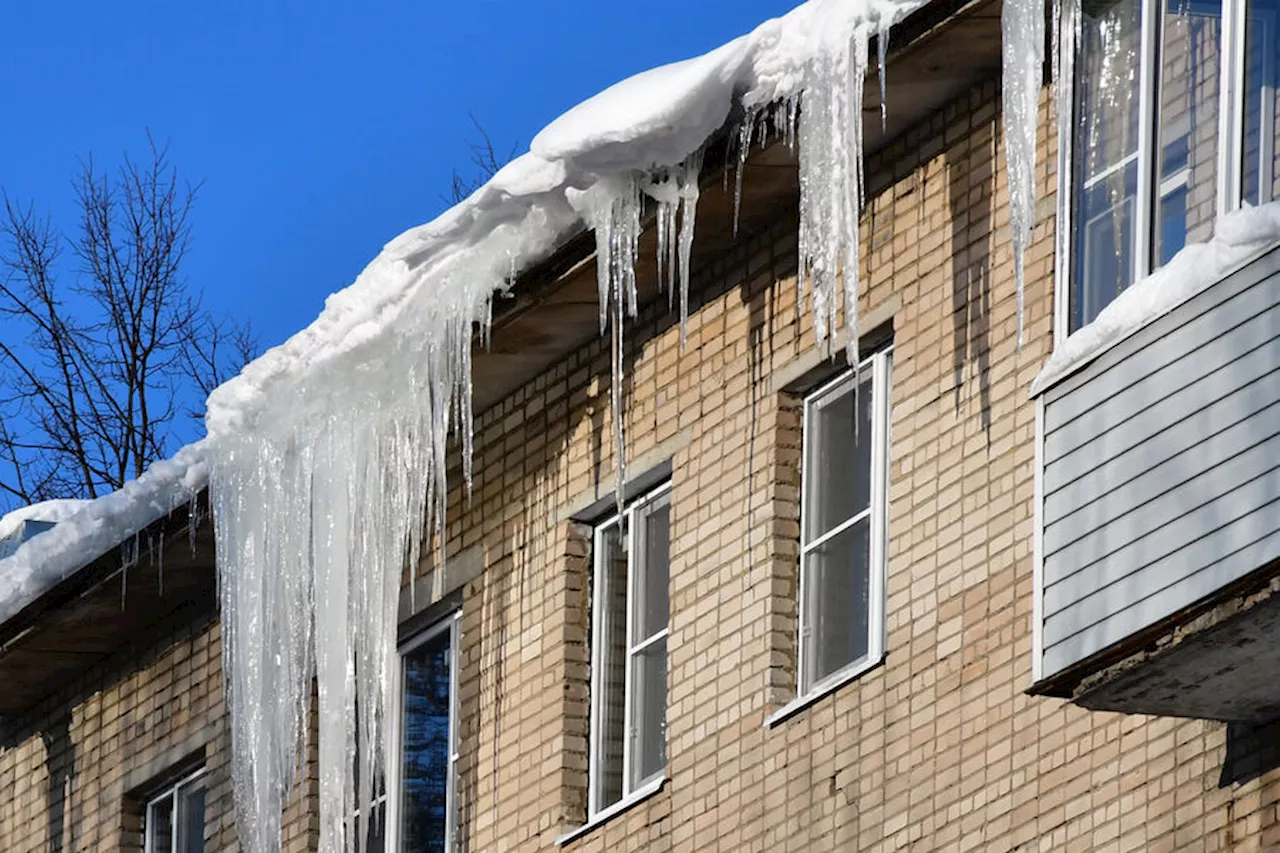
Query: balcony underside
(1221, 665)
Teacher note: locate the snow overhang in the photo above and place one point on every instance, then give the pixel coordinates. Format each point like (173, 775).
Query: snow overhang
(935, 54)
(136, 592)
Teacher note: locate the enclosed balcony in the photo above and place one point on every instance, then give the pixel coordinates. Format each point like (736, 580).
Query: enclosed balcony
(1159, 504)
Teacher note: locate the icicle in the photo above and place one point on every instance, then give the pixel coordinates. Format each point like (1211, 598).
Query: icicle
(1022, 27)
(677, 191)
(689, 192)
(831, 184)
(663, 187)
(882, 48)
(745, 130)
(615, 404)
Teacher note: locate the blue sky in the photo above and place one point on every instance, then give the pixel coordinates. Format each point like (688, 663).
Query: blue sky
(320, 130)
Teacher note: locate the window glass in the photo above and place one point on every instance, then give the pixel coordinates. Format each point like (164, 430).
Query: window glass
(610, 662)
(631, 605)
(650, 712)
(191, 817)
(1260, 167)
(838, 570)
(840, 447)
(160, 825)
(653, 607)
(175, 816)
(426, 760)
(844, 515)
(1186, 197)
(1106, 154)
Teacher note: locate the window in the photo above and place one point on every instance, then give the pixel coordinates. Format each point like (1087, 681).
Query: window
(423, 814)
(175, 816)
(1175, 123)
(843, 525)
(630, 607)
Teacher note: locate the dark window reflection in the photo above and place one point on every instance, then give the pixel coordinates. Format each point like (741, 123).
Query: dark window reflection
(426, 760)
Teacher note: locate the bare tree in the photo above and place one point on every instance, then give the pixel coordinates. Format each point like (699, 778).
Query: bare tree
(100, 368)
(485, 159)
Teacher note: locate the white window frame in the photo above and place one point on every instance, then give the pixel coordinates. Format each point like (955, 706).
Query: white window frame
(879, 366)
(597, 811)
(1230, 147)
(451, 625)
(173, 789)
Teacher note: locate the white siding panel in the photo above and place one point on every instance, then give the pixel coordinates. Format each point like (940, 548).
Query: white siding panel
(1161, 476)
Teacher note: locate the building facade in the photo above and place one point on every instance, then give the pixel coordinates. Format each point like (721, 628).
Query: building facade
(815, 620)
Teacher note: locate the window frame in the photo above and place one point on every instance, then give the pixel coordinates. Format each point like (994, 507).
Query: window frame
(172, 789)
(1151, 187)
(597, 811)
(450, 624)
(878, 367)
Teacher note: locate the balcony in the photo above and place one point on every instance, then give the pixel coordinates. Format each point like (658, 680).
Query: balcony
(1159, 554)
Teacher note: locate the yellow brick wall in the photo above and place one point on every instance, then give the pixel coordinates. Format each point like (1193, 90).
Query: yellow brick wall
(936, 749)
(69, 768)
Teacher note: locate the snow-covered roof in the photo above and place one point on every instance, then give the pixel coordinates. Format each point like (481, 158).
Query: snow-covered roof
(431, 282)
(13, 523)
(326, 457)
(87, 529)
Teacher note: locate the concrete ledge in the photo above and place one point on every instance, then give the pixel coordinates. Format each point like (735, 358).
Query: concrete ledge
(817, 363)
(458, 570)
(137, 780)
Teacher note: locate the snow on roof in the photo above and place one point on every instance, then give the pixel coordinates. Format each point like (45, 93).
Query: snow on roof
(1237, 237)
(654, 119)
(87, 529)
(13, 522)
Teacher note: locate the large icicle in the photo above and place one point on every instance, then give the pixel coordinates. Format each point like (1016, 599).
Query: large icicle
(612, 208)
(327, 456)
(318, 512)
(831, 183)
(1022, 26)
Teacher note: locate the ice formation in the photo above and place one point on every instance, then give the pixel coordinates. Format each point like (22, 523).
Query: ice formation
(326, 457)
(328, 453)
(1237, 238)
(1022, 41)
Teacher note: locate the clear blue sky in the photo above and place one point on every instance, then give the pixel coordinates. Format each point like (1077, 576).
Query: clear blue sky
(320, 130)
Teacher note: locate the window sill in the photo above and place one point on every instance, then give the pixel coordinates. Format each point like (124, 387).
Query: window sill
(604, 815)
(821, 690)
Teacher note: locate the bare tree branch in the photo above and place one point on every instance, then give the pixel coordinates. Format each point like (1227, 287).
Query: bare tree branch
(485, 159)
(108, 361)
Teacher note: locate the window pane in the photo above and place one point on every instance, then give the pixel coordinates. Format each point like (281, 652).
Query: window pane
(425, 769)
(837, 594)
(654, 569)
(1186, 194)
(649, 711)
(1261, 166)
(160, 825)
(1105, 150)
(837, 467)
(191, 818)
(610, 660)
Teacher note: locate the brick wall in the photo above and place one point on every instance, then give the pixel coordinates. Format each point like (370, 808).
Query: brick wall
(938, 748)
(75, 770)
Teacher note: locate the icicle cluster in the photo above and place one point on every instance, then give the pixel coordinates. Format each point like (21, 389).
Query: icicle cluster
(676, 191)
(1022, 26)
(831, 184)
(316, 517)
(324, 490)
